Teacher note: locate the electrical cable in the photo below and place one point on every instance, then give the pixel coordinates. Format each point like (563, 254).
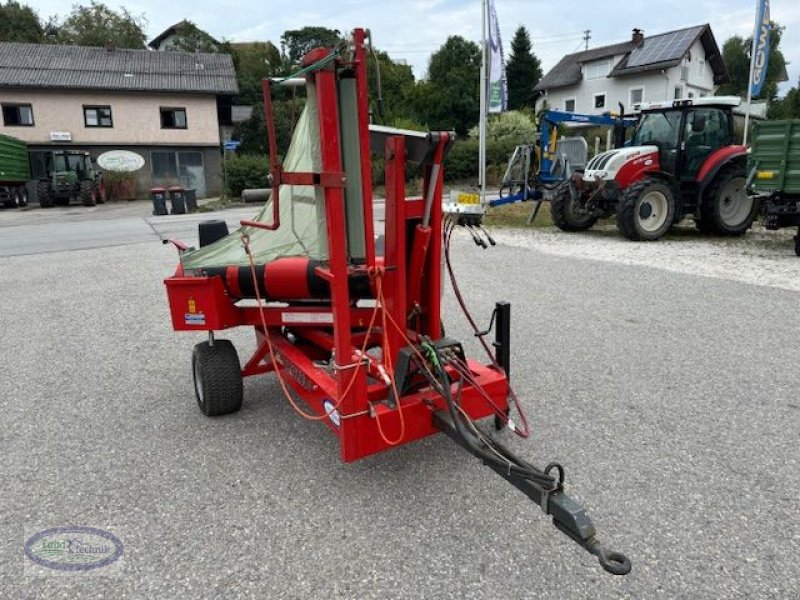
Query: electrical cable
(509, 462)
(389, 369)
(524, 430)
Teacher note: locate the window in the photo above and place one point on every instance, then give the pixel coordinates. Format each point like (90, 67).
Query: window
(598, 69)
(701, 67)
(637, 95)
(97, 116)
(179, 168)
(678, 92)
(569, 105)
(17, 115)
(600, 100)
(173, 118)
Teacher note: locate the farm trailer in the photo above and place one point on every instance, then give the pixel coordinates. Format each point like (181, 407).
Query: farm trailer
(15, 172)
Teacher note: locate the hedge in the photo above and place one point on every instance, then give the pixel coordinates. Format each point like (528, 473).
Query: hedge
(245, 172)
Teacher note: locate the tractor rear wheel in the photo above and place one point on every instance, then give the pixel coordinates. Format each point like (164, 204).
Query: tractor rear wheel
(88, 193)
(45, 194)
(646, 210)
(565, 214)
(727, 207)
(217, 378)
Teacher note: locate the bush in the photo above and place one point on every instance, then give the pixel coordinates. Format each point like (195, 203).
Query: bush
(245, 172)
(513, 125)
(462, 161)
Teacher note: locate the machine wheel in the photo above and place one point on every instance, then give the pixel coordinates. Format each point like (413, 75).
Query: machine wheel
(88, 193)
(646, 210)
(727, 207)
(22, 197)
(562, 210)
(217, 378)
(44, 194)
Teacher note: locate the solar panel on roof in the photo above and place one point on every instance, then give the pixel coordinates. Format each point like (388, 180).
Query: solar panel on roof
(661, 48)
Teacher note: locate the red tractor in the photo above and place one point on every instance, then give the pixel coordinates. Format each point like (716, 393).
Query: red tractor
(681, 161)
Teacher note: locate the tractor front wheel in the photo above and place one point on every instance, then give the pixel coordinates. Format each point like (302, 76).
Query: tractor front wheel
(566, 215)
(727, 208)
(88, 193)
(217, 378)
(45, 194)
(646, 210)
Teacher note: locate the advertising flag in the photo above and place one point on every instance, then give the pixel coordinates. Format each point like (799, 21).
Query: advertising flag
(498, 94)
(760, 47)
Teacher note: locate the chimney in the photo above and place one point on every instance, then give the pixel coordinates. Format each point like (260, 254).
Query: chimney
(638, 36)
(110, 46)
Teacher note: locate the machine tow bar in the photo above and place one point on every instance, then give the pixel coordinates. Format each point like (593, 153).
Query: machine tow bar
(568, 516)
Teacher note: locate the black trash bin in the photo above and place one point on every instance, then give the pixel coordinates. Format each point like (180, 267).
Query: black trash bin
(177, 200)
(159, 196)
(191, 199)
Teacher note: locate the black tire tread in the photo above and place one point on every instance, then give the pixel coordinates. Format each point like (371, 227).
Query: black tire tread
(708, 213)
(626, 209)
(87, 193)
(559, 212)
(43, 192)
(22, 197)
(223, 390)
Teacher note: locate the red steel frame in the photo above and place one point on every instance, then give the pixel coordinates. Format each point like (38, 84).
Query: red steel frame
(412, 262)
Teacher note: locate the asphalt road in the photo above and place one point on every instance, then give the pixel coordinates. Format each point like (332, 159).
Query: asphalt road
(670, 399)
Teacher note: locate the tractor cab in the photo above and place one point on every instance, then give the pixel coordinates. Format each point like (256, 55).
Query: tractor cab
(686, 132)
(73, 162)
(681, 161)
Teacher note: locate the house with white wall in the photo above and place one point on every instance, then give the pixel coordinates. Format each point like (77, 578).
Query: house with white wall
(168, 107)
(685, 63)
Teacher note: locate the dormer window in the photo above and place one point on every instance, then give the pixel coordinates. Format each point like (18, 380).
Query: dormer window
(597, 69)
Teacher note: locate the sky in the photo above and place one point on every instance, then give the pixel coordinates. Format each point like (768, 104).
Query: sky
(413, 29)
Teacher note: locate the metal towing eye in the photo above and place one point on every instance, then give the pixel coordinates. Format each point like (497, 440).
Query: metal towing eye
(568, 516)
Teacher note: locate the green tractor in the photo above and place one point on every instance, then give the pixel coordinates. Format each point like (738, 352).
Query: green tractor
(70, 175)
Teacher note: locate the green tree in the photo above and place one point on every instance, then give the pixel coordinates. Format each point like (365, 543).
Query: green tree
(397, 89)
(190, 38)
(296, 42)
(98, 25)
(19, 23)
(523, 72)
(736, 56)
(449, 98)
(787, 107)
(253, 63)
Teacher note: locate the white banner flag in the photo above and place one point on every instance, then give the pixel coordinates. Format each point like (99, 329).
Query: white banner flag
(497, 93)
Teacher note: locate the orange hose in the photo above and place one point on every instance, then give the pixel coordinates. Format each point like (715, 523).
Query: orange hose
(286, 392)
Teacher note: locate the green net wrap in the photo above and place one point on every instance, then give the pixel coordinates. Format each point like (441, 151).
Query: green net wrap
(302, 231)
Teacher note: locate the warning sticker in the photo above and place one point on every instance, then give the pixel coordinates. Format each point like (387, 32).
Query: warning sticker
(194, 318)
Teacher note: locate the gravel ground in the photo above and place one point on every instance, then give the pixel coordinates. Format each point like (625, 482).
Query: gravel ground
(660, 391)
(760, 257)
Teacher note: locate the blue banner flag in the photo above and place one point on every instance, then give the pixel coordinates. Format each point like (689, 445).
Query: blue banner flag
(760, 48)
